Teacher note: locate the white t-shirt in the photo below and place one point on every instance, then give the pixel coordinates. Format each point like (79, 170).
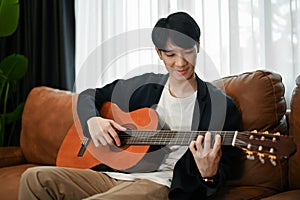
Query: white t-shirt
(177, 113)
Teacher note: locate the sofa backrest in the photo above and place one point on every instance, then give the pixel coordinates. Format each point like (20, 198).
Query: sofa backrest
(259, 96)
(294, 161)
(47, 116)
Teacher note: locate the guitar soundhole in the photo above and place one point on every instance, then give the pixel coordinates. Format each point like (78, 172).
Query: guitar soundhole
(129, 126)
(114, 148)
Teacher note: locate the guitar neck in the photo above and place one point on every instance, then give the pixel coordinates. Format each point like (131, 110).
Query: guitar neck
(166, 137)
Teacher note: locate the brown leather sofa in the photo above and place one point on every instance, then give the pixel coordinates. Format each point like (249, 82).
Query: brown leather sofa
(48, 115)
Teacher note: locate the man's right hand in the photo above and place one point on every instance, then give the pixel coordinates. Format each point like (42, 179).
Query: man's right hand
(104, 131)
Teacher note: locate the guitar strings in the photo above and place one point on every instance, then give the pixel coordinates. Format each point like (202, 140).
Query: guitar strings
(169, 137)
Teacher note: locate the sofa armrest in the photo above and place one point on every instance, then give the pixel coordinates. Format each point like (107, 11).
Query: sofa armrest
(11, 156)
(287, 115)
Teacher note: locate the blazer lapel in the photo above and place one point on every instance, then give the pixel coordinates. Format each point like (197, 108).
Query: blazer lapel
(200, 105)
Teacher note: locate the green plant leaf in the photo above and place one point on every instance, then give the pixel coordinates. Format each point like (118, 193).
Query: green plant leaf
(3, 78)
(14, 115)
(9, 17)
(14, 67)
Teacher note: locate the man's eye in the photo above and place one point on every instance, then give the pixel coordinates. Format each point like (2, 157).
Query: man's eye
(170, 55)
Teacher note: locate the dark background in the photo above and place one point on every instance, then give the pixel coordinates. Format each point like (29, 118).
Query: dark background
(46, 36)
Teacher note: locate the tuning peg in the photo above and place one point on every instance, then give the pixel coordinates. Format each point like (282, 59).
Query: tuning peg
(250, 155)
(274, 139)
(261, 158)
(254, 131)
(249, 146)
(272, 160)
(266, 132)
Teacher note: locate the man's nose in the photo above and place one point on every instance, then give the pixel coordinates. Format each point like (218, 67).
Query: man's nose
(180, 61)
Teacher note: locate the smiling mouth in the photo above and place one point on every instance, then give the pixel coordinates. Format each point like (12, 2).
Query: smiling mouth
(182, 72)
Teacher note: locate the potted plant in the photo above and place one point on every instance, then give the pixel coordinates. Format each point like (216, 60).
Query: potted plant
(12, 68)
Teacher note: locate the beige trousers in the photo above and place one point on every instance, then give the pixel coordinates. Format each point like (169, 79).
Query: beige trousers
(47, 183)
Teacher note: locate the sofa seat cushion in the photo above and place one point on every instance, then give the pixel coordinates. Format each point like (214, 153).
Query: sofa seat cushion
(11, 156)
(10, 177)
(290, 195)
(243, 192)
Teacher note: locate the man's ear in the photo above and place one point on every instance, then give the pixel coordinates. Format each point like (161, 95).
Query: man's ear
(198, 46)
(158, 52)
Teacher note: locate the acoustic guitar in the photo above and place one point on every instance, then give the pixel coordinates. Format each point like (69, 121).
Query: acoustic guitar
(142, 132)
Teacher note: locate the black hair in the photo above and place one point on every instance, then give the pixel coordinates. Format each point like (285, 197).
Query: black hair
(179, 27)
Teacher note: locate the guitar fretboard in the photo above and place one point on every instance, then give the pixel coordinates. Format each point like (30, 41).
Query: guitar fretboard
(167, 137)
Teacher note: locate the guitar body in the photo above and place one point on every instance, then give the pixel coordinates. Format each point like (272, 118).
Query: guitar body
(119, 158)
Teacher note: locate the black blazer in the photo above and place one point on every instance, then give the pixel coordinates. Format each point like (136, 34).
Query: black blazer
(213, 111)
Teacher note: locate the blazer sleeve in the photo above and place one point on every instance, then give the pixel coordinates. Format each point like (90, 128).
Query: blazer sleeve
(89, 103)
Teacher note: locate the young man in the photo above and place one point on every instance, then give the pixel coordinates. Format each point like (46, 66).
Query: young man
(182, 101)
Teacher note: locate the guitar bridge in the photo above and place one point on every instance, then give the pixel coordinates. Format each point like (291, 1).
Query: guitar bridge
(84, 144)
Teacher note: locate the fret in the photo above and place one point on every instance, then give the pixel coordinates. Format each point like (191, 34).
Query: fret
(176, 141)
(228, 137)
(182, 140)
(212, 138)
(223, 137)
(191, 137)
(165, 139)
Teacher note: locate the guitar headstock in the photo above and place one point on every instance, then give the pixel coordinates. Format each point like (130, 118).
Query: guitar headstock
(265, 145)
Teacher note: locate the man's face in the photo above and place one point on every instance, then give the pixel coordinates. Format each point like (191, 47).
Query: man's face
(179, 62)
